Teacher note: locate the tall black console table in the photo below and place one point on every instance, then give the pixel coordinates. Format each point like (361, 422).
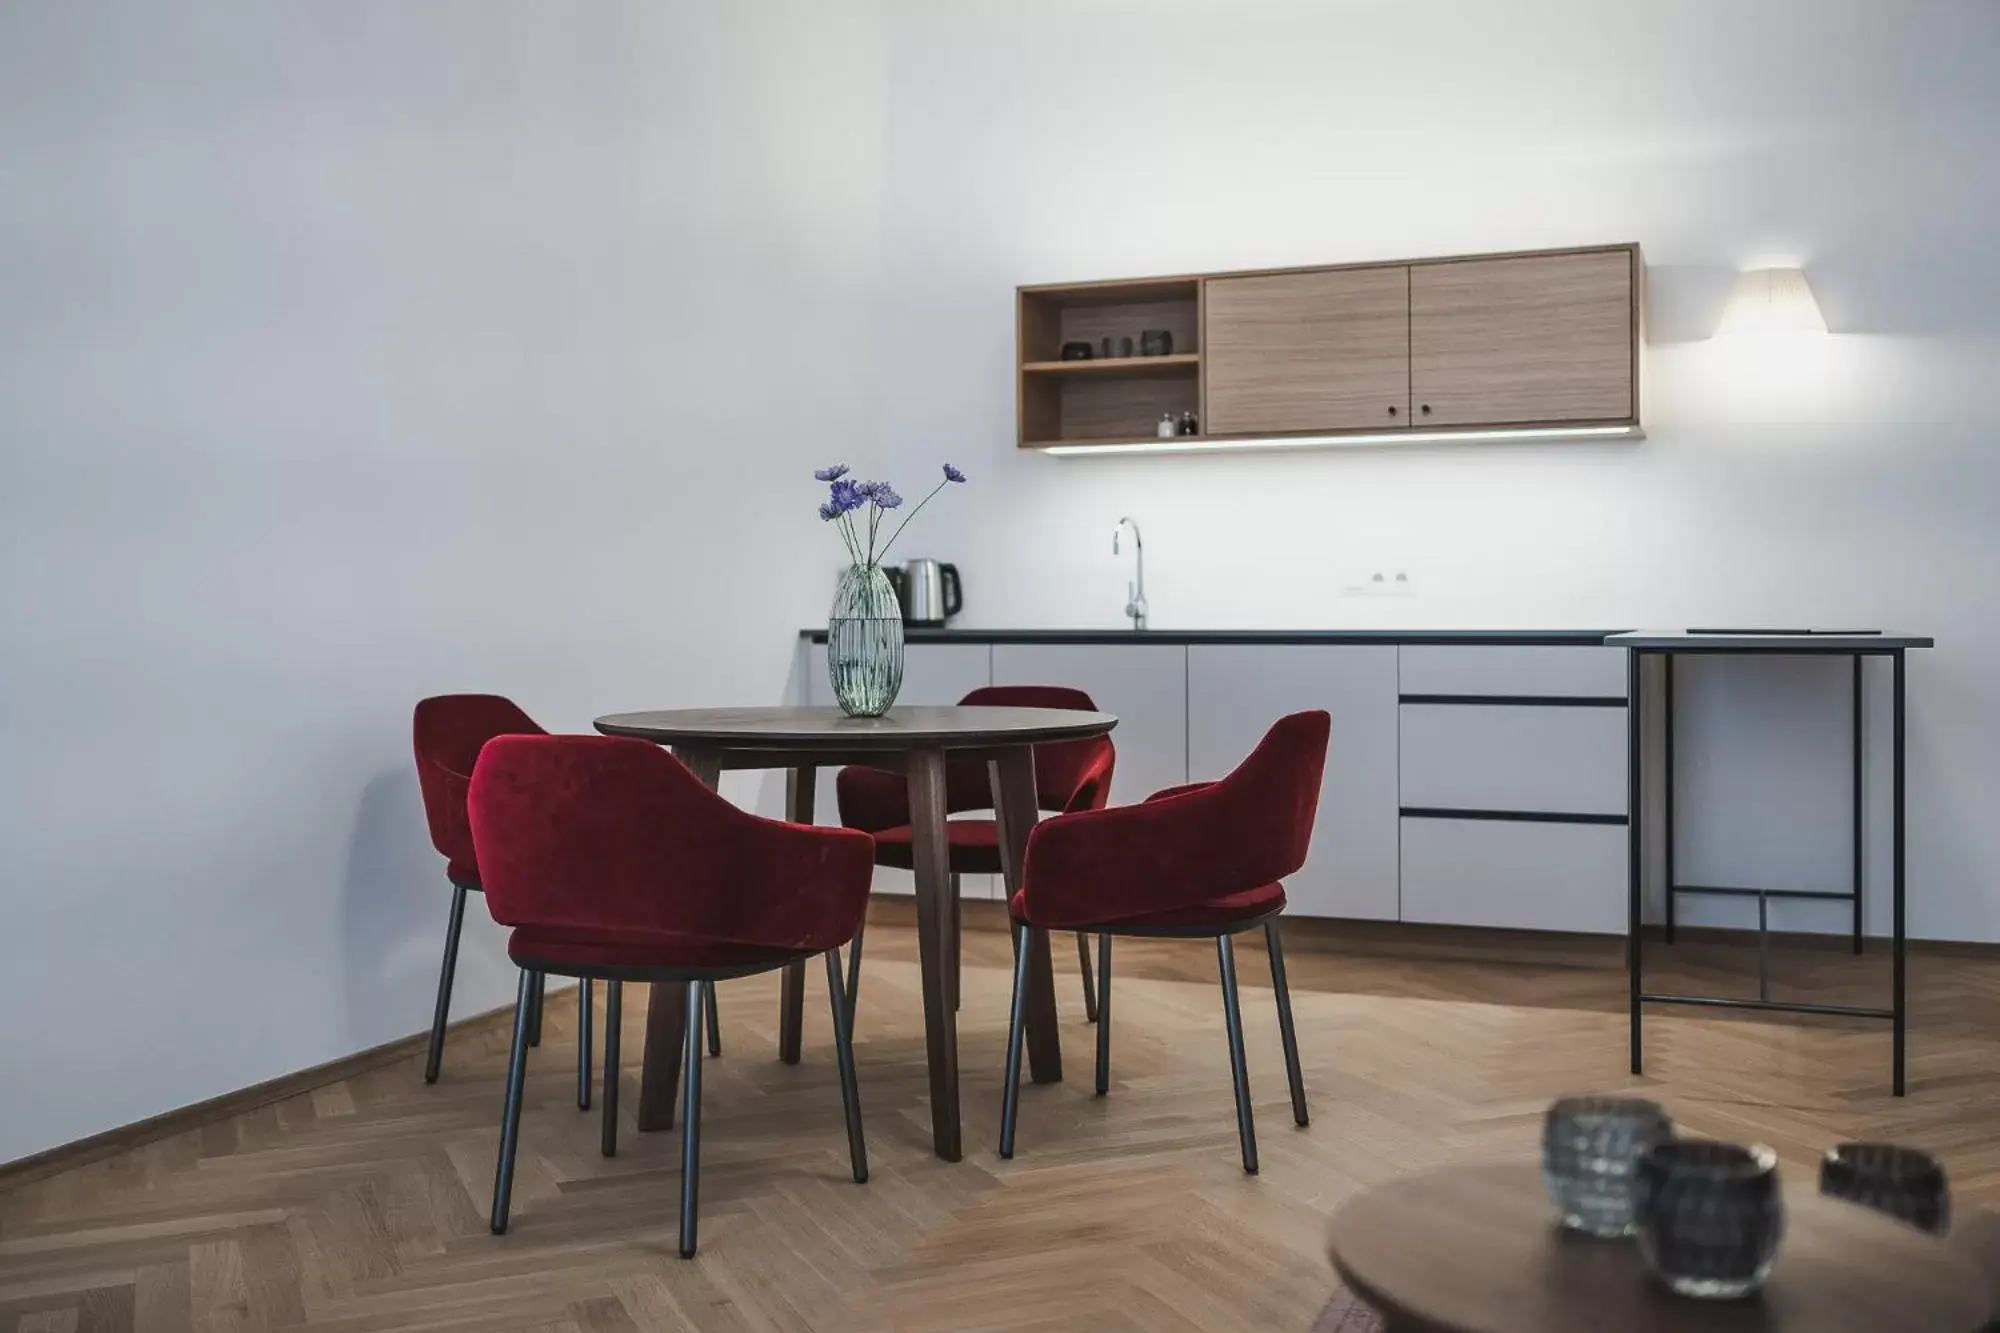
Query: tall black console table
(1669, 644)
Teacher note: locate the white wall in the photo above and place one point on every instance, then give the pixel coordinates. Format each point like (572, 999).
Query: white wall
(351, 352)
(1852, 480)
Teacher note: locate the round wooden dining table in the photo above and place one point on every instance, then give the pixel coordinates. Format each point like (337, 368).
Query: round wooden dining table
(915, 741)
(1476, 1249)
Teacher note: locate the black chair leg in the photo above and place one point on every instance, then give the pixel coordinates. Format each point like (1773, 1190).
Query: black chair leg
(714, 1019)
(1276, 947)
(1090, 1005)
(1232, 1012)
(510, 1114)
(1010, 1102)
(614, 1015)
(535, 1010)
(585, 1017)
(691, 1122)
(843, 1054)
(854, 974)
(1103, 1014)
(435, 1059)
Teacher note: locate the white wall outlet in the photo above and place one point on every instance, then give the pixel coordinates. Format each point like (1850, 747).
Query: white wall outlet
(1378, 583)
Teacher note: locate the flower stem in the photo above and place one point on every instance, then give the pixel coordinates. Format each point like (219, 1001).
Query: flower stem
(907, 517)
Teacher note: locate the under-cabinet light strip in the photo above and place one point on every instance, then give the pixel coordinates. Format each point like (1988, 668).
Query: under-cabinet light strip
(1192, 446)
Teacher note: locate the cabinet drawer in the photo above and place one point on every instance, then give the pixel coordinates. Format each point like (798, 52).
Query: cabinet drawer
(1512, 670)
(1513, 875)
(1514, 757)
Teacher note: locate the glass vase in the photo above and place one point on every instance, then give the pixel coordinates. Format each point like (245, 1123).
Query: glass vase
(864, 642)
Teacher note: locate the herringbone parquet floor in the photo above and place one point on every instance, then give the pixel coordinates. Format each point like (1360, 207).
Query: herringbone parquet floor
(362, 1205)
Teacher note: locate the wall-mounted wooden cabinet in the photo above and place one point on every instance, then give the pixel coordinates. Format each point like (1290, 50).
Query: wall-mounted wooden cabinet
(1547, 340)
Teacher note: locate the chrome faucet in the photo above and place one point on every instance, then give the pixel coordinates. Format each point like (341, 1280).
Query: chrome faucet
(1135, 589)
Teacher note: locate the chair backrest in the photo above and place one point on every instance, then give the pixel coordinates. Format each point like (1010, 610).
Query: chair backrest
(448, 731)
(602, 833)
(1187, 845)
(1069, 775)
(1272, 797)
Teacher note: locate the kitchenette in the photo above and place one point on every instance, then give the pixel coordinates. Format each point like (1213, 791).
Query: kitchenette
(1480, 777)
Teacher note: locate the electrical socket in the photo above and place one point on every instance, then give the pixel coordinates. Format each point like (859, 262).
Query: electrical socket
(1378, 583)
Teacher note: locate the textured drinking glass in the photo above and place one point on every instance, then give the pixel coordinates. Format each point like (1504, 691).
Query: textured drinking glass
(864, 642)
(1710, 1216)
(1906, 1184)
(1591, 1148)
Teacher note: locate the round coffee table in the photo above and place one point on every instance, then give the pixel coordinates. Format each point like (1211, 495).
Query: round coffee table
(916, 741)
(1475, 1249)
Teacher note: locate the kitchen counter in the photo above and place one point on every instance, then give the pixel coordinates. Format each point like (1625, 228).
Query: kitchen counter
(1529, 637)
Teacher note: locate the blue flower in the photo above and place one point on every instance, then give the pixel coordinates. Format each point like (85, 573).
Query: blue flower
(952, 474)
(828, 512)
(845, 496)
(866, 489)
(834, 473)
(885, 496)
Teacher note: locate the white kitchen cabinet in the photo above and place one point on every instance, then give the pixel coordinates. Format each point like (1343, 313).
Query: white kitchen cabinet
(1235, 693)
(1143, 684)
(1515, 874)
(933, 673)
(1514, 757)
(1540, 670)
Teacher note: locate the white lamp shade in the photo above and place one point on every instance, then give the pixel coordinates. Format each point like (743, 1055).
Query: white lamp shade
(1772, 300)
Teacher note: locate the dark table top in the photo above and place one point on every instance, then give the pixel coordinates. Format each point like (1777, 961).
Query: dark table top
(902, 728)
(1475, 1249)
(1768, 641)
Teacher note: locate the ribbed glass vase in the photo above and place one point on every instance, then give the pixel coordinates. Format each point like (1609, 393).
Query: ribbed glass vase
(864, 642)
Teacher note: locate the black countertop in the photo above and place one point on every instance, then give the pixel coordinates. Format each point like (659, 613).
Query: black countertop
(1544, 637)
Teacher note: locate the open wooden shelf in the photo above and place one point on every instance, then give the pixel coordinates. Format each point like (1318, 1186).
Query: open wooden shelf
(1132, 365)
(1118, 440)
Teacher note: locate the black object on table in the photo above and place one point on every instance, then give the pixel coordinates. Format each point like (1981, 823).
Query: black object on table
(1669, 644)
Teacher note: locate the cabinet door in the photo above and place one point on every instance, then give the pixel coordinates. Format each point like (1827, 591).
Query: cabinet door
(1235, 693)
(1144, 685)
(1308, 351)
(933, 673)
(1531, 340)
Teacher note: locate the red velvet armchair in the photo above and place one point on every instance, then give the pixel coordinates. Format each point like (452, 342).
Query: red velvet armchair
(611, 860)
(1202, 860)
(448, 730)
(1069, 777)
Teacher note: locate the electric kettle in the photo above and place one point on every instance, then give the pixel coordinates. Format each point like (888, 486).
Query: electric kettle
(930, 592)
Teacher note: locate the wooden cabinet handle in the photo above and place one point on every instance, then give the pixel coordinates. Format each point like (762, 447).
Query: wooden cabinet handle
(1427, 409)
(1392, 411)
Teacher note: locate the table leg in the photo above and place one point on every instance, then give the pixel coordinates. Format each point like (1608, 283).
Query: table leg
(1013, 776)
(932, 862)
(666, 1012)
(792, 991)
(1896, 852)
(1635, 826)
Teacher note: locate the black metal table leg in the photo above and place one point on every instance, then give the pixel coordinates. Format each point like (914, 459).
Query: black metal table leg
(1672, 886)
(1634, 827)
(1858, 816)
(1896, 842)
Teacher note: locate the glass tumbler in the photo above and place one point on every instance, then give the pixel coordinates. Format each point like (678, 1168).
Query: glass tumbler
(1710, 1216)
(1591, 1148)
(1904, 1183)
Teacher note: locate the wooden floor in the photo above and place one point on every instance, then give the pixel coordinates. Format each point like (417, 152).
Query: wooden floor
(363, 1205)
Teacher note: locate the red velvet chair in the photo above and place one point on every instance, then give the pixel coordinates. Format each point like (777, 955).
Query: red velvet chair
(1196, 861)
(449, 730)
(610, 859)
(1071, 776)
